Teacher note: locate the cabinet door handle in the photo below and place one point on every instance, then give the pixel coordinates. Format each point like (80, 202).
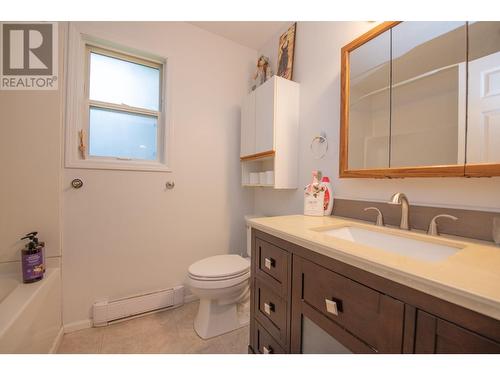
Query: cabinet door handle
(268, 308)
(331, 306)
(269, 263)
(267, 349)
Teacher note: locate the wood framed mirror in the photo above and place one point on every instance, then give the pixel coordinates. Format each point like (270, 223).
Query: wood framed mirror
(413, 101)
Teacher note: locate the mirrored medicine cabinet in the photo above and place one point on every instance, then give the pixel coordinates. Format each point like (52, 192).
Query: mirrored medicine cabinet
(421, 99)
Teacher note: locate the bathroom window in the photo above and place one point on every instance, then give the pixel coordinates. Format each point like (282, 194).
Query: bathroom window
(123, 122)
(124, 106)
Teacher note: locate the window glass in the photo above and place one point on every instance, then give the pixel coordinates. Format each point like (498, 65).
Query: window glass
(123, 82)
(121, 134)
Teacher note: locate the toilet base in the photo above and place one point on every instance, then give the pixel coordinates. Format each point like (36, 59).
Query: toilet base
(214, 319)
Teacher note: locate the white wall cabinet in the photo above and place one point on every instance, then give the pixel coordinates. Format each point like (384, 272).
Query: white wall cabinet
(269, 133)
(248, 125)
(265, 101)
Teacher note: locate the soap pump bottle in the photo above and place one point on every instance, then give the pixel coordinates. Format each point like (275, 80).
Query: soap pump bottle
(328, 202)
(32, 259)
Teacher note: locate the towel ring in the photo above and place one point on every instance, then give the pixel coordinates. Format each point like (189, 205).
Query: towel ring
(319, 140)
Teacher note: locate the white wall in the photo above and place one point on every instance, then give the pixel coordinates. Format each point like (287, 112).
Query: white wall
(30, 168)
(124, 233)
(317, 69)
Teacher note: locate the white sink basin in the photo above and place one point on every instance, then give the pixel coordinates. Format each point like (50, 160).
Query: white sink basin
(393, 243)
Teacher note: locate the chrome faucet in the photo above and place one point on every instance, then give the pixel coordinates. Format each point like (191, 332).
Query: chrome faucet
(380, 217)
(401, 199)
(433, 227)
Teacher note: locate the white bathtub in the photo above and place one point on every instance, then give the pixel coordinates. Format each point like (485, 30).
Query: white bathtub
(30, 314)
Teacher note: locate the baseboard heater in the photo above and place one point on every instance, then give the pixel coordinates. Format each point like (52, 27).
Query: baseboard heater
(105, 312)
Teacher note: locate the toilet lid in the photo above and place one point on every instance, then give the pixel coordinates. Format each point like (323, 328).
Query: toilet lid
(220, 266)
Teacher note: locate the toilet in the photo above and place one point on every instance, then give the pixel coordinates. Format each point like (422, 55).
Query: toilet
(222, 283)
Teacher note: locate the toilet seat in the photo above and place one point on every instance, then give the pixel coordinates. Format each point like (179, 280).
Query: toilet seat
(209, 279)
(219, 267)
(218, 284)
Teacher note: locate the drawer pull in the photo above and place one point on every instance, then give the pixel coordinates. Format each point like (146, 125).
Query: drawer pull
(268, 308)
(269, 263)
(331, 307)
(267, 349)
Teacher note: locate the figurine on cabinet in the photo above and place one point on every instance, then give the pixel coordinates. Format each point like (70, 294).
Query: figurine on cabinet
(262, 73)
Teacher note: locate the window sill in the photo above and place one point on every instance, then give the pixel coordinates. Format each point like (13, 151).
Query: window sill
(119, 165)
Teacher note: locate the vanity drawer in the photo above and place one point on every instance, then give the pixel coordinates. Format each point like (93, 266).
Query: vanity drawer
(375, 318)
(271, 311)
(272, 264)
(265, 343)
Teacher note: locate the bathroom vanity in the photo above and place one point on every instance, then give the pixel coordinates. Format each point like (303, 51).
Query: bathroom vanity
(317, 290)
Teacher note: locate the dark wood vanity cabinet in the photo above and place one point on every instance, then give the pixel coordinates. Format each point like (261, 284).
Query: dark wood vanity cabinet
(435, 335)
(304, 302)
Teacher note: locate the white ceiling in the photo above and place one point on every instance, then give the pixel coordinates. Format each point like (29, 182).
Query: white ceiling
(253, 34)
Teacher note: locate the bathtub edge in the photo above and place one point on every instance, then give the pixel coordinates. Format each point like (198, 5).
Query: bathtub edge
(57, 341)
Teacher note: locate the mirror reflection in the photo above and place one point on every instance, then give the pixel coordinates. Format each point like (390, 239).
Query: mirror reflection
(422, 99)
(428, 94)
(369, 104)
(483, 125)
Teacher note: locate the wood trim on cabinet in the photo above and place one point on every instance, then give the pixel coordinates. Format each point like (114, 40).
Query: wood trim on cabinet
(369, 35)
(482, 170)
(260, 155)
(403, 172)
(409, 329)
(425, 334)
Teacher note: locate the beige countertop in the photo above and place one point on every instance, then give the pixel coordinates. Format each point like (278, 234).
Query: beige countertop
(469, 278)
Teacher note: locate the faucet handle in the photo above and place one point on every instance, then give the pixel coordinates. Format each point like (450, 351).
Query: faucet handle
(433, 227)
(380, 217)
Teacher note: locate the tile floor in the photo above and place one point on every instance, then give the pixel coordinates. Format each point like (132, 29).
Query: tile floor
(168, 331)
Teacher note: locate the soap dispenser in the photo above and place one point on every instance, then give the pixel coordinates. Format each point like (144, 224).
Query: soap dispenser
(32, 259)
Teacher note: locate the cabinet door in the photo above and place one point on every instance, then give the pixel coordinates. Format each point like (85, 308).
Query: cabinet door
(434, 335)
(264, 117)
(248, 125)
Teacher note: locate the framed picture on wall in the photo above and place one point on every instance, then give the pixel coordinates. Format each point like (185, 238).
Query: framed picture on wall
(285, 53)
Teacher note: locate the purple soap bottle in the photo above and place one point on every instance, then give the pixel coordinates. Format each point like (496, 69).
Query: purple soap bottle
(32, 259)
